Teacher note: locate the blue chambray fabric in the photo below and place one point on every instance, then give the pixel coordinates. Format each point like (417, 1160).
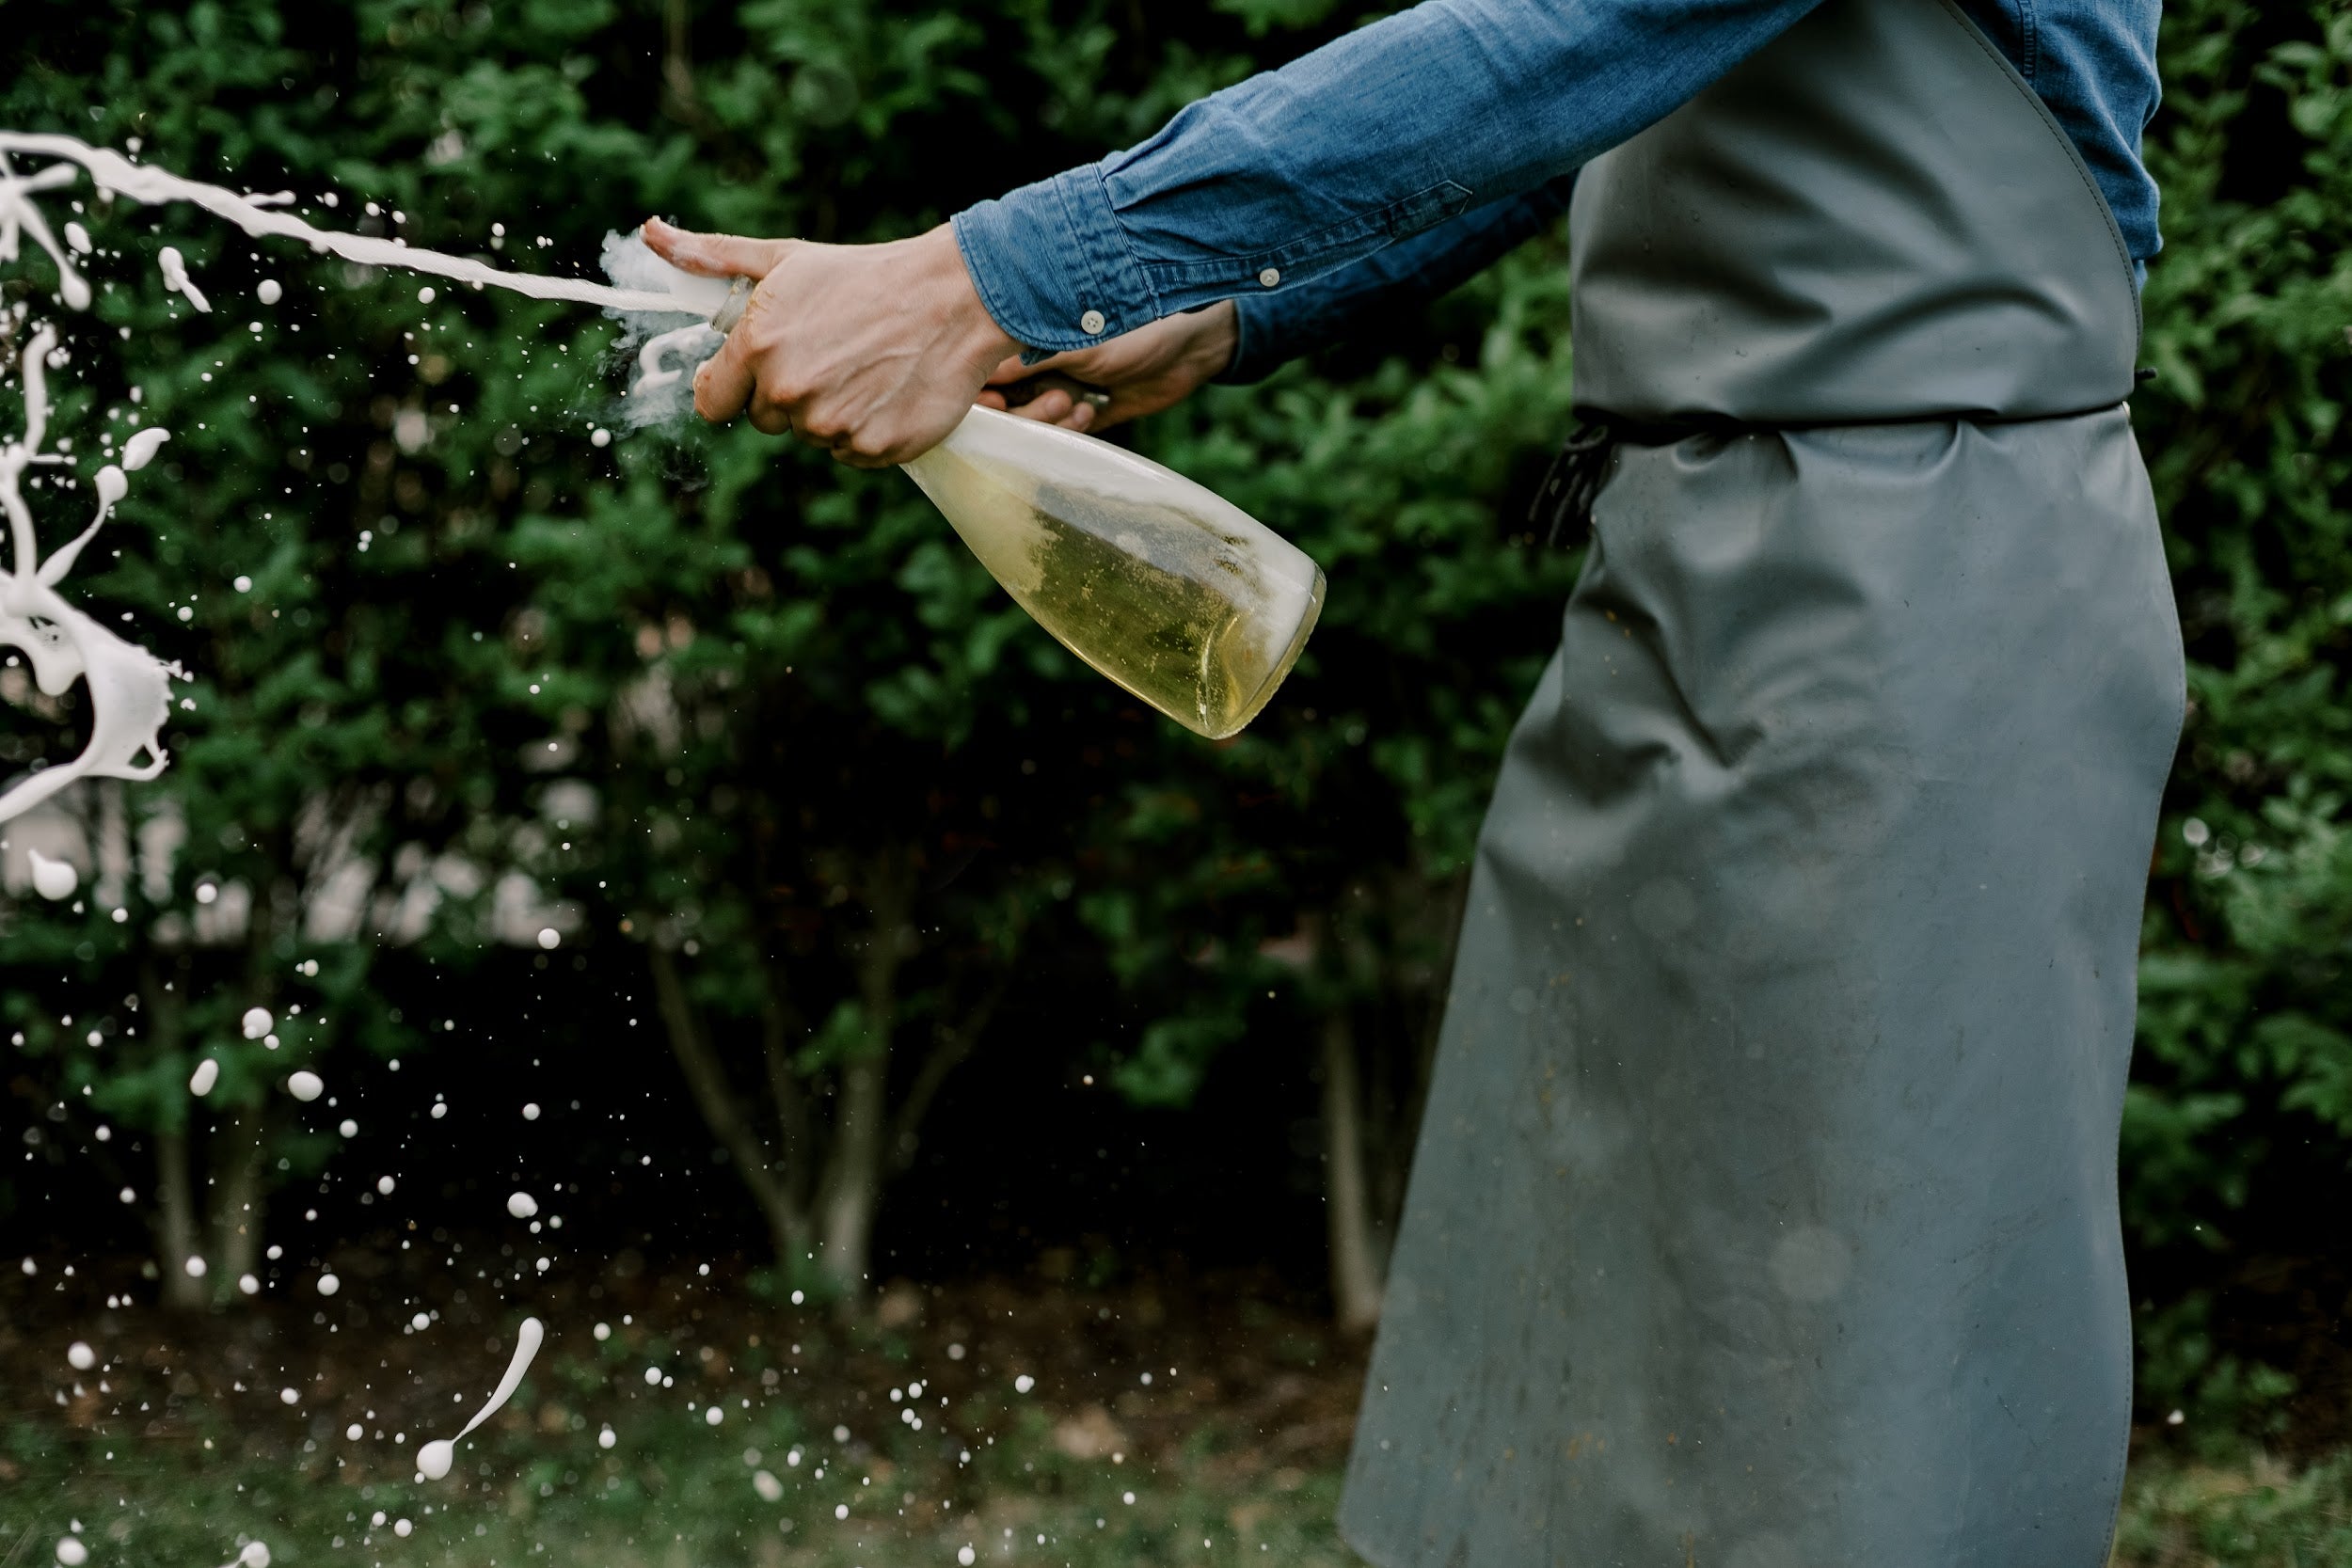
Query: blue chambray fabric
(1404, 156)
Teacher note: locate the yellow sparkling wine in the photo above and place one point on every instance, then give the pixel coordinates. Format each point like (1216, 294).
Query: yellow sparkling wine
(1179, 595)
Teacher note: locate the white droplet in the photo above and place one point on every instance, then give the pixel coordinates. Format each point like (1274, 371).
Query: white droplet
(72, 1552)
(965, 1556)
(384, 1184)
(424, 296)
(1023, 1384)
(522, 1206)
(78, 237)
(196, 1268)
(140, 448)
(653, 1376)
(604, 1332)
(267, 291)
(599, 438)
(80, 1356)
(306, 1085)
(402, 1526)
(841, 1511)
(353, 1431)
(549, 937)
(249, 1285)
(348, 1128)
(256, 1023)
(530, 1111)
(605, 1439)
(435, 1458)
(112, 485)
(243, 584)
(713, 1416)
(53, 879)
(770, 1490)
(254, 1556)
(287, 1395)
(329, 1284)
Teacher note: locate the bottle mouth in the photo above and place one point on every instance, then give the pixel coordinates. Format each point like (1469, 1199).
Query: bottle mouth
(1281, 667)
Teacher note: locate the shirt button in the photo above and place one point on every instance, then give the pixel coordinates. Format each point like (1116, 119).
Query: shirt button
(1270, 276)
(1091, 324)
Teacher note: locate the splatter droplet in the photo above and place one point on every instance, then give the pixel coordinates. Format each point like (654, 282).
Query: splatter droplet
(53, 879)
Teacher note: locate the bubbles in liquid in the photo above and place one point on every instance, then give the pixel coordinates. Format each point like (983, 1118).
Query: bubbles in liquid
(53, 879)
(523, 1205)
(306, 1085)
(207, 1073)
(80, 1356)
(256, 1023)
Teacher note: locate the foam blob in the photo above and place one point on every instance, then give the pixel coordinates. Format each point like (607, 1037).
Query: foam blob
(53, 879)
(139, 451)
(306, 1085)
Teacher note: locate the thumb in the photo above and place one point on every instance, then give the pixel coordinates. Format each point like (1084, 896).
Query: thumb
(714, 255)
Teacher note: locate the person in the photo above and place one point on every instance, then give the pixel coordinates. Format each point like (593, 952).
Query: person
(1764, 1210)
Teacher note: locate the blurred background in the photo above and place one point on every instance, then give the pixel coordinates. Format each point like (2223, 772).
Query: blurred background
(879, 1008)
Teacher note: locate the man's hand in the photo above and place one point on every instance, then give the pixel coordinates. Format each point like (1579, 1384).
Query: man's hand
(873, 352)
(1144, 370)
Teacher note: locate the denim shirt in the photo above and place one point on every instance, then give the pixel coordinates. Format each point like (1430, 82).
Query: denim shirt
(1397, 161)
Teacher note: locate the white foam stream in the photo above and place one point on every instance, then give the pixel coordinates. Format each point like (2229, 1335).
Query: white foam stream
(142, 182)
(130, 688)
(435, 1458)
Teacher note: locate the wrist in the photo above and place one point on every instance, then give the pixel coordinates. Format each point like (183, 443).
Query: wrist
(978, 333)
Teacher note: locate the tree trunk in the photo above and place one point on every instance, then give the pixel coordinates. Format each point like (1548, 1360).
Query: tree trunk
(854, 1170)
(175, 1221)
(707, 1079)
(1356, 1272)
(173, 1218)
(239, 1197)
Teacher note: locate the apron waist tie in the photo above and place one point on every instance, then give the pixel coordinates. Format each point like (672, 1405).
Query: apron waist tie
(1563, 507)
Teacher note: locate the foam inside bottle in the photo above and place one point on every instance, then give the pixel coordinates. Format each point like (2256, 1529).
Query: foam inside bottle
(1171, 591)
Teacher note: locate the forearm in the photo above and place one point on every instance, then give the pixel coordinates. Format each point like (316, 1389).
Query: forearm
(1370, 140)
(1279, 325)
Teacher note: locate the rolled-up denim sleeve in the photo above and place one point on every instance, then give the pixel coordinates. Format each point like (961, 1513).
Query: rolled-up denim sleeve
(1280, 325)
(1372, 139)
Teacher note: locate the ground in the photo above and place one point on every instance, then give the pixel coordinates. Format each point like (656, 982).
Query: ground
(1178, 1420)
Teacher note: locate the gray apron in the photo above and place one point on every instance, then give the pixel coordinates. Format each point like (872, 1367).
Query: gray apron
(1764, 1213)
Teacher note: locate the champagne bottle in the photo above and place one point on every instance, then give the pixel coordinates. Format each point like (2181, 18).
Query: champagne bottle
(1171, 591)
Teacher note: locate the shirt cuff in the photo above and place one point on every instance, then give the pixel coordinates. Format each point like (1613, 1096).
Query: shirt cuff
(1053, 266)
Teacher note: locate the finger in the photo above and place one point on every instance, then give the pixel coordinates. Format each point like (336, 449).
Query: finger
(1081, 417)
(990, 399)
(1050, 407)
(714, 255)
(723, 384)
